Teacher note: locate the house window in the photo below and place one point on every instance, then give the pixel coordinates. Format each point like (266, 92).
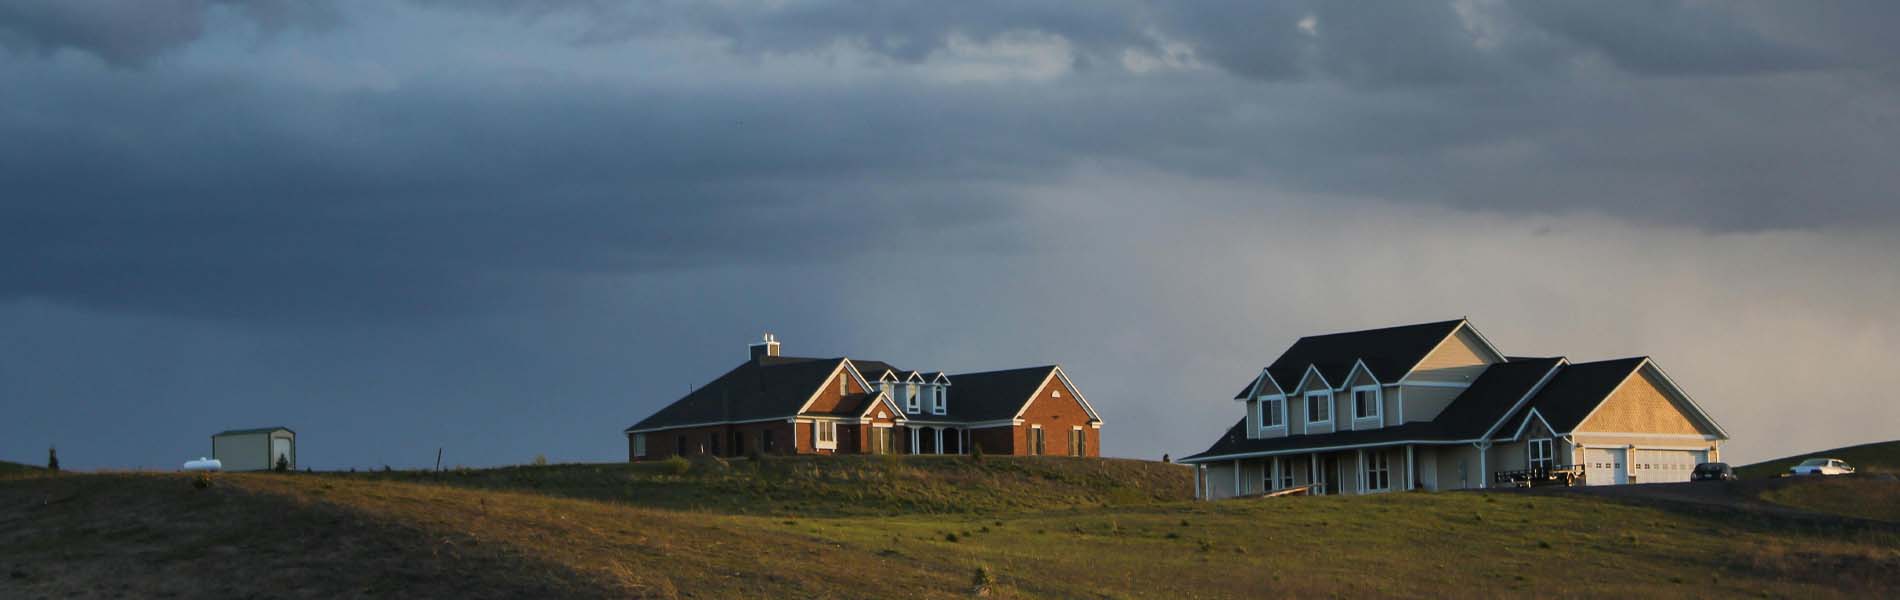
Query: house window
(825, 433)
(1365, 402)
(1286, 472)
(639, 444)
(1319, 407)
(679, 445)
(1055, 393)
(1540, 453)
(910, 399)
(844, 386)
(738, 443)
(1078, 442)
(1272, 412)
(765, 441)
(1378, 471)
(939, 407)
(712, 442)
(1035, 440)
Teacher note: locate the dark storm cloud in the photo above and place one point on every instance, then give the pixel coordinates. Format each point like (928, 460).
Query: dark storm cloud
(258, 194)
(131, 32)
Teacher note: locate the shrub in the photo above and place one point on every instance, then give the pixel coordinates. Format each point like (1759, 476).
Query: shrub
(677, 465)
(950, 537)
(201, 481)
(52, 459)
(755, 455)
(283, 464)
(540, 460)
(976, 452)
(983, 577)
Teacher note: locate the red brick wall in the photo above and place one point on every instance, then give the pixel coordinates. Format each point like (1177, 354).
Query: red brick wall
(828, 395)
(661, 444)
(1056, 414)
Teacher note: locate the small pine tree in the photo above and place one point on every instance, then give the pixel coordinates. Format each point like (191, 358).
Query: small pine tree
(976, 452)
(52, 459)
(283, 463)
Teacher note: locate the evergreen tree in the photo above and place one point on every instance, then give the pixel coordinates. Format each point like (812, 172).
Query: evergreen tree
(52, 459)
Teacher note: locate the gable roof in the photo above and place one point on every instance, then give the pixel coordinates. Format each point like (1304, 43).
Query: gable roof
(1574, 392)
(1493, 395)
(1490, 398)
(994, 395)
(765, 388)
(1389, 352)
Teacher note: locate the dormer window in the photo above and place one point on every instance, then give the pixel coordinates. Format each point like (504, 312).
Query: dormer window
(910, 399)
(1272, 412)
(1365, 402)
(1319, 407)
(941, 406)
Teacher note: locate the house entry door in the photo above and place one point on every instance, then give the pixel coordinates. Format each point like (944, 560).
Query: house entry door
(883, 440)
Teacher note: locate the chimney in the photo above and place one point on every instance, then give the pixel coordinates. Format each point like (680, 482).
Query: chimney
(767, 346)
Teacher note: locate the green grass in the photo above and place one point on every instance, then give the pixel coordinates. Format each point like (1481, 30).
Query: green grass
(13, 468)
(842, 485)
(1877, 457)
(1856, 496)
(573, 530)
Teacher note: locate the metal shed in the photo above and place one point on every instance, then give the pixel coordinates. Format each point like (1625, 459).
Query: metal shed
(254, 449)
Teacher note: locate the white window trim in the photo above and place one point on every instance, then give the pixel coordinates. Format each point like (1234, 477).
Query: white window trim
(1367, 472)
(822, 430)
(1550, 452)
(941, 406)
(1036, 449)
(910, 398)
(1261, 422)
(1307, 410)
(1378, 404)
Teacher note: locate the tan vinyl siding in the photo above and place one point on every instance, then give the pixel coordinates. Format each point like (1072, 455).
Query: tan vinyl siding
(1253, 418)
(1424, 403)
(1391, 409)
(1221, 477)
(1460, 359)
(1639, 406)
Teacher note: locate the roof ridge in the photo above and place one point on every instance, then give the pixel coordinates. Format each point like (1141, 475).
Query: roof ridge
(1373, 329)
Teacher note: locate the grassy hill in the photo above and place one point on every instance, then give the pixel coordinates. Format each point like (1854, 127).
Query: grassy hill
(1877, 457)
(842, 485)
(579, 530)
(13, 468)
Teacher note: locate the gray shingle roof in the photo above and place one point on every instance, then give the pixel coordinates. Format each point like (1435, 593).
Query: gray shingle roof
(994, 395)
(1389, 352)
(1574, 392)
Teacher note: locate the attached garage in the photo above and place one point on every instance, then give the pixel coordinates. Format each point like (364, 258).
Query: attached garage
(255, 449)
(1605, 466)
(1664, 466)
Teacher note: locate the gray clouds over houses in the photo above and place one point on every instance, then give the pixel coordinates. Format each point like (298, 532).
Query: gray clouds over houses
(308, 178)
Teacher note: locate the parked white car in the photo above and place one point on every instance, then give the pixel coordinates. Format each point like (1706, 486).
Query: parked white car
(1822, 466)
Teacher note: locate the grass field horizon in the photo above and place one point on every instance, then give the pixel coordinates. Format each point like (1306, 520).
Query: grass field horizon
(1875, 457)
(603, 530)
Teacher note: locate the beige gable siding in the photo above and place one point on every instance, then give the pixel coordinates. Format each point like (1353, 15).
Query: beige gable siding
(1639, 406)
(1461, 358)
(1252, 427)
(1424, 403)
(1391, 409)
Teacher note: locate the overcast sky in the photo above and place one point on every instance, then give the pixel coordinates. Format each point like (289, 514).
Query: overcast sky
(514, 228)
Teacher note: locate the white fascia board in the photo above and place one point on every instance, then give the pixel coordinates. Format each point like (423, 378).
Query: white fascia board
(1314, 449)
(704, 424)
(1357, 366)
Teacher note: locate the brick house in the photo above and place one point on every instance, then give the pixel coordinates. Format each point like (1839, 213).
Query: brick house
(796, 405)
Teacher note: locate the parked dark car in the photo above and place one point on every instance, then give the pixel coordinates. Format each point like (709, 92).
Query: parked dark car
(1712, 472)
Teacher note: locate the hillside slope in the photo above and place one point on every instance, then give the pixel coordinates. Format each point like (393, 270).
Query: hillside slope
(13, 468)
(323, 535)
(843, 485)
(1867, 458)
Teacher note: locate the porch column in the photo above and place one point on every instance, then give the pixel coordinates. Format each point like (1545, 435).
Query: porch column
(1197, 482)
(940, 440)
(1273, 473)
(913, 440)
(1237, 489)
(1484, 474)
(1410, 482)
(1312, 477)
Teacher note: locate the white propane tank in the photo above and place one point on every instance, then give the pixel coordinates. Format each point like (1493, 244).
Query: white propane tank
(204, 464)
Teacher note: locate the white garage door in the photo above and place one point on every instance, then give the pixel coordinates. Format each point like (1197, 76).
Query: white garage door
(279, 447)
(1603, 466)
(1664, 466)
